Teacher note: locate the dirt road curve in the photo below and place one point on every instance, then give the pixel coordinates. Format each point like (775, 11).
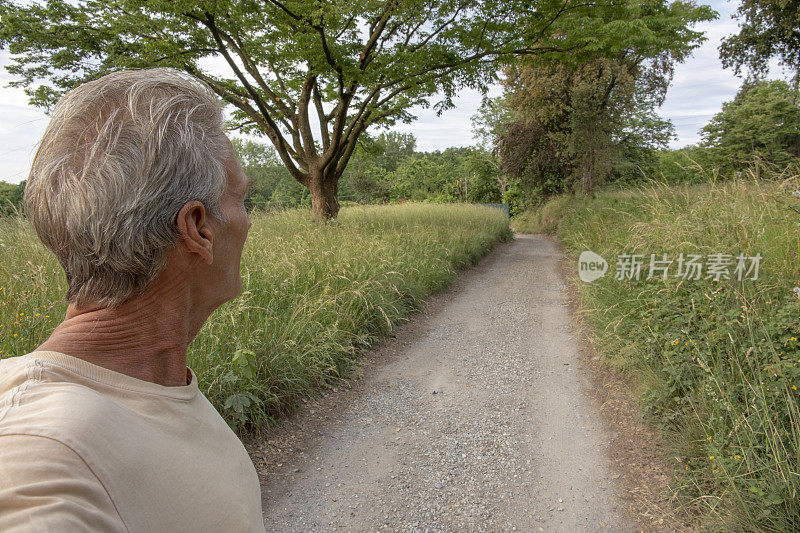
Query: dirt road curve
(475, 418)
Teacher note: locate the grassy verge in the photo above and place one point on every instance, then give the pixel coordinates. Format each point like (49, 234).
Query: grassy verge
(718, 361)
(315, 296)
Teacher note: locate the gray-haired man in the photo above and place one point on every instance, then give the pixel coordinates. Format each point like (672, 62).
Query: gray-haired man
(138, 192)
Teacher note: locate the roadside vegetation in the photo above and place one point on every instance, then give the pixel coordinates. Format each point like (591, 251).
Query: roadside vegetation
(315, 297)
(717, 362)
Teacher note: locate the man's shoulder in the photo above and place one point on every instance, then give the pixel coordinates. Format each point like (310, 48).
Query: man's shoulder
(147, 445)
(35, 400)
(56, 396)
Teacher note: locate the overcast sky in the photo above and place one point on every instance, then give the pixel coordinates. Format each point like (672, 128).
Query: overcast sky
(699, 88)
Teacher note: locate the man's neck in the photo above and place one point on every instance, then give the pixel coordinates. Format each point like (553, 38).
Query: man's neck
(146, 337)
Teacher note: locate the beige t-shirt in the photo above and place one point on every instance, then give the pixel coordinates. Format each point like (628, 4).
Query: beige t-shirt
(83, 448)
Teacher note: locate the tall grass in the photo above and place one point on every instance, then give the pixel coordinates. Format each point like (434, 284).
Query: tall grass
(315, 296)
(718, 361)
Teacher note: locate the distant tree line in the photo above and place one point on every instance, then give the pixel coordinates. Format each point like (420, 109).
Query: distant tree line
(385, 168)
(11, 198)
(756, 134)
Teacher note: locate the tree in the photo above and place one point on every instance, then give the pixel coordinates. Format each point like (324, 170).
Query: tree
(575, 115)
(432, 177)
(487, 126)
(767, 29)
(762, 121)
(640, 142)
(366, 178)
(486, 182)
(392, 148)
(349, 64)
(270, 181)
(575, 124)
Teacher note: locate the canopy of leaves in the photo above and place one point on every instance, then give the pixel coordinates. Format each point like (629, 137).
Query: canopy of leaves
(576, 116)
(767, 29)
(351, 63)
(762, 121)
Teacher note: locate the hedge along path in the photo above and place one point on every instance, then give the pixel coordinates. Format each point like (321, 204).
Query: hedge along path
(476, 417)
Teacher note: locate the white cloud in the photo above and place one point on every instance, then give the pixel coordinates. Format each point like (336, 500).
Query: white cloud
(21, 126)
(452, 128)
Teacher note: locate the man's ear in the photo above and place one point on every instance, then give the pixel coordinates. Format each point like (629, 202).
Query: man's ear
(195, 232)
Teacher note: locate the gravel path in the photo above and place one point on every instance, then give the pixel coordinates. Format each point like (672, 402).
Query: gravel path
(476, 417)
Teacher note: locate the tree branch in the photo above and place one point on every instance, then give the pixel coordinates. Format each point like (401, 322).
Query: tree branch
(323, 120)
(285, 152)
(303, 124)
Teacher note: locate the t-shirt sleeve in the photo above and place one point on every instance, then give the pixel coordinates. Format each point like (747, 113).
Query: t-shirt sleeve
(46, 486)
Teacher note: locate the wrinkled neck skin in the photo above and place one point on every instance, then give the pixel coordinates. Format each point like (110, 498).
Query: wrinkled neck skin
(146, 337)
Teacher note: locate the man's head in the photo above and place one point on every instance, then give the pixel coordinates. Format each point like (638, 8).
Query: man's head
(120, 158)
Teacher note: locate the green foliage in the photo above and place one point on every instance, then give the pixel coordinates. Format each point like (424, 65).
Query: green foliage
(315, 297)
(349, 64)
(271, 184)
(544, 218)
(691, 164)
(431, 176)
(11, 198)
(762, 122)
(489, 121)
(383, 169)
(366, 178)
(570, 121)
(768, 29)
(486, 182)
(240, 387)
(642, 138)
(718, 361)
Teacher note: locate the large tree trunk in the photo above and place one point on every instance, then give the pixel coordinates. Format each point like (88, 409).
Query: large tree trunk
(324, 196)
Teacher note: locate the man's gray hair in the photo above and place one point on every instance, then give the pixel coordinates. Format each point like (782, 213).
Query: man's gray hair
(120, 157)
